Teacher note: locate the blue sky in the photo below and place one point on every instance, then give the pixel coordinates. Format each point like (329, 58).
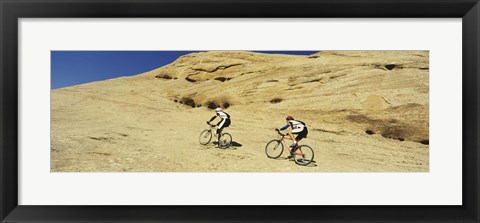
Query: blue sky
(78, 67)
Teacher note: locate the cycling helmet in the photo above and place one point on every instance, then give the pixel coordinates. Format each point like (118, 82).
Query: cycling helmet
(289, 118)
(218, 109)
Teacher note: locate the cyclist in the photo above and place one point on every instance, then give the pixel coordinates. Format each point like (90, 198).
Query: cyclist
(223, 123)
(298, 128)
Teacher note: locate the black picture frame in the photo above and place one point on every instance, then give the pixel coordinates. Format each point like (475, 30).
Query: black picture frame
(12, 10)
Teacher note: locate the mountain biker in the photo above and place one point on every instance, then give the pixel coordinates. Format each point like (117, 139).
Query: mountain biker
(298, 128)
(223, 123)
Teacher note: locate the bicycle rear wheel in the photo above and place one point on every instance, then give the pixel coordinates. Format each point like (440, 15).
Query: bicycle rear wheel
(205, 137)
(225, 141)
(307, 156)
(274, 149)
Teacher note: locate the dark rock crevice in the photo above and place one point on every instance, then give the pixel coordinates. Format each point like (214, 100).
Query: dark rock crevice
(216, 68)
(222, 79)
(218, 104)
(276, 100)
(190, 79)
(390, 66)
(164, 76)
(188, 101)
(425, 142)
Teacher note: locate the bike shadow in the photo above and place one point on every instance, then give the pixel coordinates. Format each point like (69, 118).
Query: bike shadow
(235, 145)
(312, 164)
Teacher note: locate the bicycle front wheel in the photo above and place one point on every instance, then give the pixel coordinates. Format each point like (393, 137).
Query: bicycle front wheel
(306, 157)
(225, 140)
(205, 137)
(274, 149)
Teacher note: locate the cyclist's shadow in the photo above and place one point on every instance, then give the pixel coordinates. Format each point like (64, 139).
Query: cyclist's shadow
(312, 164)
(235, 145)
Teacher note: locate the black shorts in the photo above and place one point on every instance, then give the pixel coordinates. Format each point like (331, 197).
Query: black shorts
(302, 134)
(226, 124)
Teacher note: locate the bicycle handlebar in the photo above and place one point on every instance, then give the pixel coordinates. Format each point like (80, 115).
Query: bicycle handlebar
(280, 133)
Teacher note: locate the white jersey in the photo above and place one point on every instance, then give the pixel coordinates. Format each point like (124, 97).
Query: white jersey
(296, 126)
(223, 115)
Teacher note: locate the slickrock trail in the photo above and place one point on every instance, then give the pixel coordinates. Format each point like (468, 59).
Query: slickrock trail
(367, 111)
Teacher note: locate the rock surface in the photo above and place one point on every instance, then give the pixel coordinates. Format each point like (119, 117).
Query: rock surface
(366, 111)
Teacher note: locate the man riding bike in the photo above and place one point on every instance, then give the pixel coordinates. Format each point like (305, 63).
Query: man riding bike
(224, 122)
(298, 128)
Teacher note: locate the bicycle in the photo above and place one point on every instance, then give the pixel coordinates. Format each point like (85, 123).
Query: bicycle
(206, 136)
(274, 149)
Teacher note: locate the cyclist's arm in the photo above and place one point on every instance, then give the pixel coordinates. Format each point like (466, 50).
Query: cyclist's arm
(212, 118)
(284, 127)
(289, 132)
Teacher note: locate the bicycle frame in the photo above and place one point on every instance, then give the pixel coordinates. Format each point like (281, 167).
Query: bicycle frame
(287, 146)
(213, 129)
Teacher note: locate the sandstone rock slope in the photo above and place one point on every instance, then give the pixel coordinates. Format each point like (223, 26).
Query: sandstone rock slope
(367, 111)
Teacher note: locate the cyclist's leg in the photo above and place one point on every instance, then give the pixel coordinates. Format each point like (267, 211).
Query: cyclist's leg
(224, 124)
(220, 127)
(292, 147)
(227, 123)
(214, 131)
(219, 131)
(300, 136)
(292, 137)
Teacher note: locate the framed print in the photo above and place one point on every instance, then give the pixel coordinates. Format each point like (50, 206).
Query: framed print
(183, 111)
